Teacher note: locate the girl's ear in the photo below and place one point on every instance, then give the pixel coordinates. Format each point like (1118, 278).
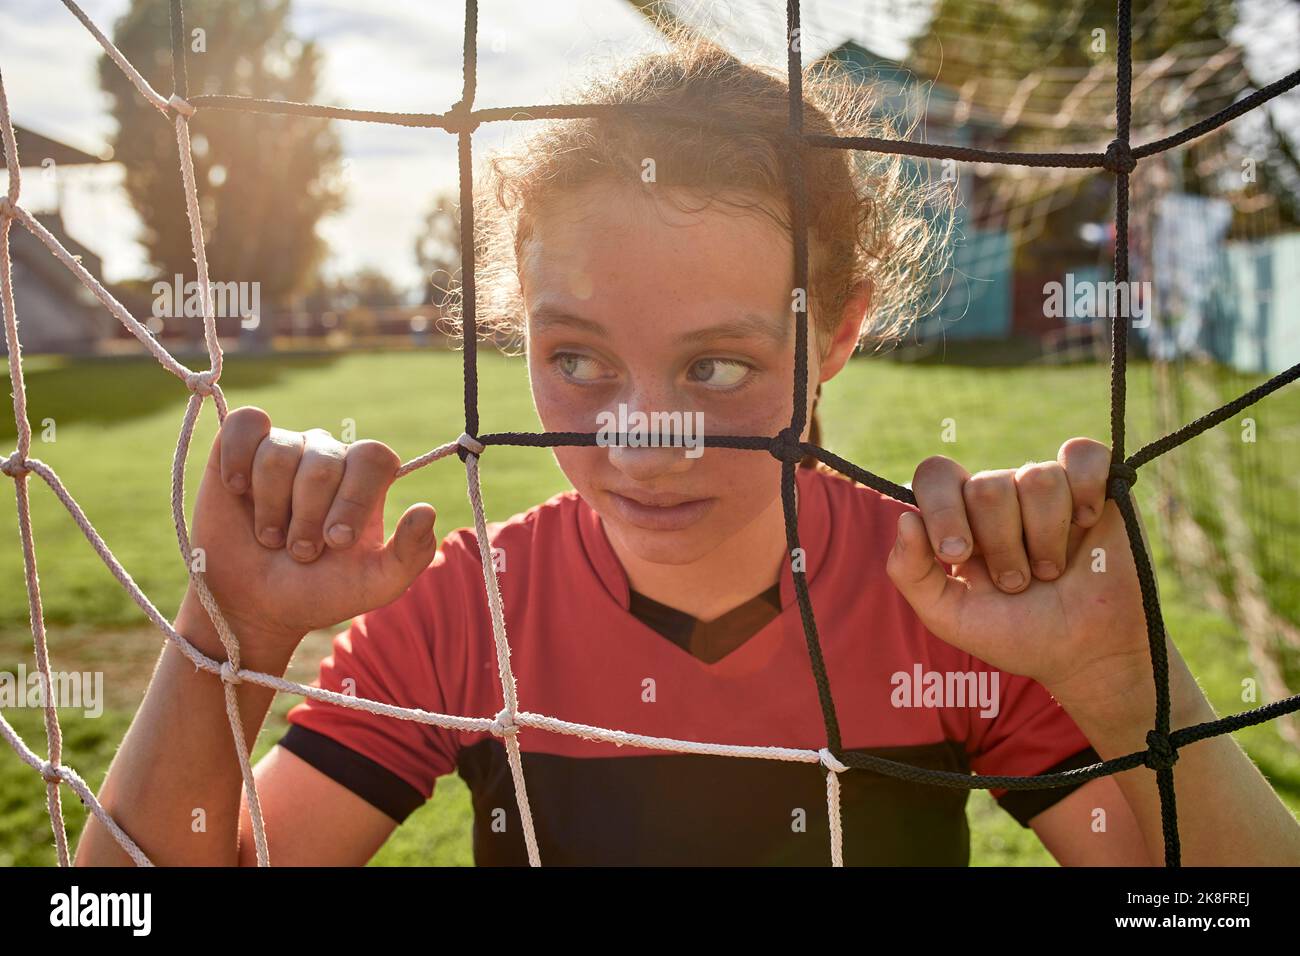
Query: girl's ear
(858, 306)
(845, 341)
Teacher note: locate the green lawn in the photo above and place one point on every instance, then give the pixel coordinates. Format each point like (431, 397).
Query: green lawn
(115, 426)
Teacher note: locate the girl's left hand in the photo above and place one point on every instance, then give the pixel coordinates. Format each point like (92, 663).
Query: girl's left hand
(1043, 583)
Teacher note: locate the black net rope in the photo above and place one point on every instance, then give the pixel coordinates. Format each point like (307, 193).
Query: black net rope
(1119, 159)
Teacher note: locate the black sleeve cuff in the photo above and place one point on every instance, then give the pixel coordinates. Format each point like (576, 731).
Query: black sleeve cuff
(371, 781)
(1024, 805)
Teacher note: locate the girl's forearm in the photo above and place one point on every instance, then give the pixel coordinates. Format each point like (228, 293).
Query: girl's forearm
(1228, 814)
(175, 784)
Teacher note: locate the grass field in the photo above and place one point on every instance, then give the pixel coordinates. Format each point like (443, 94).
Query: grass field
(114, 426)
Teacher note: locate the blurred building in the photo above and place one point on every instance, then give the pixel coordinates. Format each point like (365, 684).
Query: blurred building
(973, 300)
(1219, 251)
(56, 313)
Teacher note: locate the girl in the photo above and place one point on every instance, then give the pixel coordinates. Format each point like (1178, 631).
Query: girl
(647, 264)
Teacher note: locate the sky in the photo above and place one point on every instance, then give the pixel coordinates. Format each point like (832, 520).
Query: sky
(401, 56)
(379, 54)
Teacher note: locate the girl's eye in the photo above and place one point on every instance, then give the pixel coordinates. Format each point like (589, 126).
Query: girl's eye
(719, 373)
(578, 368)
(712, 372)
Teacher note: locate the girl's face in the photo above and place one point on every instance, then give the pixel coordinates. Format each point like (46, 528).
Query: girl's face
(632, 302)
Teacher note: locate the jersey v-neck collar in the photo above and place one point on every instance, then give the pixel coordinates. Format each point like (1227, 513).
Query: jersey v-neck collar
(709, 641)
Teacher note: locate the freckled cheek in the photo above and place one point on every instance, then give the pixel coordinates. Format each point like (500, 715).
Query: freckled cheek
(746, 478)
(761, 410)
(560, 408)
(582, 466)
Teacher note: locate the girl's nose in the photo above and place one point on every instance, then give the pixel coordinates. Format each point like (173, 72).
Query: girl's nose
(654, 442)
(646, 464)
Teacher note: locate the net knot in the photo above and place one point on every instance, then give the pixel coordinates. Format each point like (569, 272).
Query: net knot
(1161, 753)
(830, 761)
(460, 118)
(786, 446)
(51, 773)
(200, 382)
(1119, 158)
(181, 105)
(15, 466)
(7, 209)
(229, 674)
(1123, 471)
(504, 723)
(468, 443)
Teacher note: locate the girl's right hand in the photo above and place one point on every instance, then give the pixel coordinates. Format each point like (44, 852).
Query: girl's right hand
(292, 529)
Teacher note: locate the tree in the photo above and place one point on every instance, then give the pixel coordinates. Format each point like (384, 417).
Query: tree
(437, 249)
(263, 181)
(367, 288)
(998, 45)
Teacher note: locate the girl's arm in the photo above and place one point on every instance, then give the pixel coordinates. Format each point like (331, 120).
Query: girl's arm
(1044, 584)
(1228, 814)
(292, 533)
(1093, 826)
(175, 785)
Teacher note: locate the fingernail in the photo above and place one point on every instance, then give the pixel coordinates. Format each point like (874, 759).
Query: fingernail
(238, 484)
(1084, 513)
(272, 537)
(303, 549)
(952, 546)
(340, 534)
(1046, 569)
(1011, 580)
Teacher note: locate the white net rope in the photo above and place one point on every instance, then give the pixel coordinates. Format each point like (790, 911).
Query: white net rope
(204, 384)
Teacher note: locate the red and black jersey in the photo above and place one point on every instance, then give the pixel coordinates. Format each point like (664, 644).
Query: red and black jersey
(585, 648)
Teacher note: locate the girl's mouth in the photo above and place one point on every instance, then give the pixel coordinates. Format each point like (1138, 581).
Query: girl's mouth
(660, 517)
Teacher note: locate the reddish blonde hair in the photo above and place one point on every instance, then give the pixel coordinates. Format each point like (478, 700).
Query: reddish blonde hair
(866, 214)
